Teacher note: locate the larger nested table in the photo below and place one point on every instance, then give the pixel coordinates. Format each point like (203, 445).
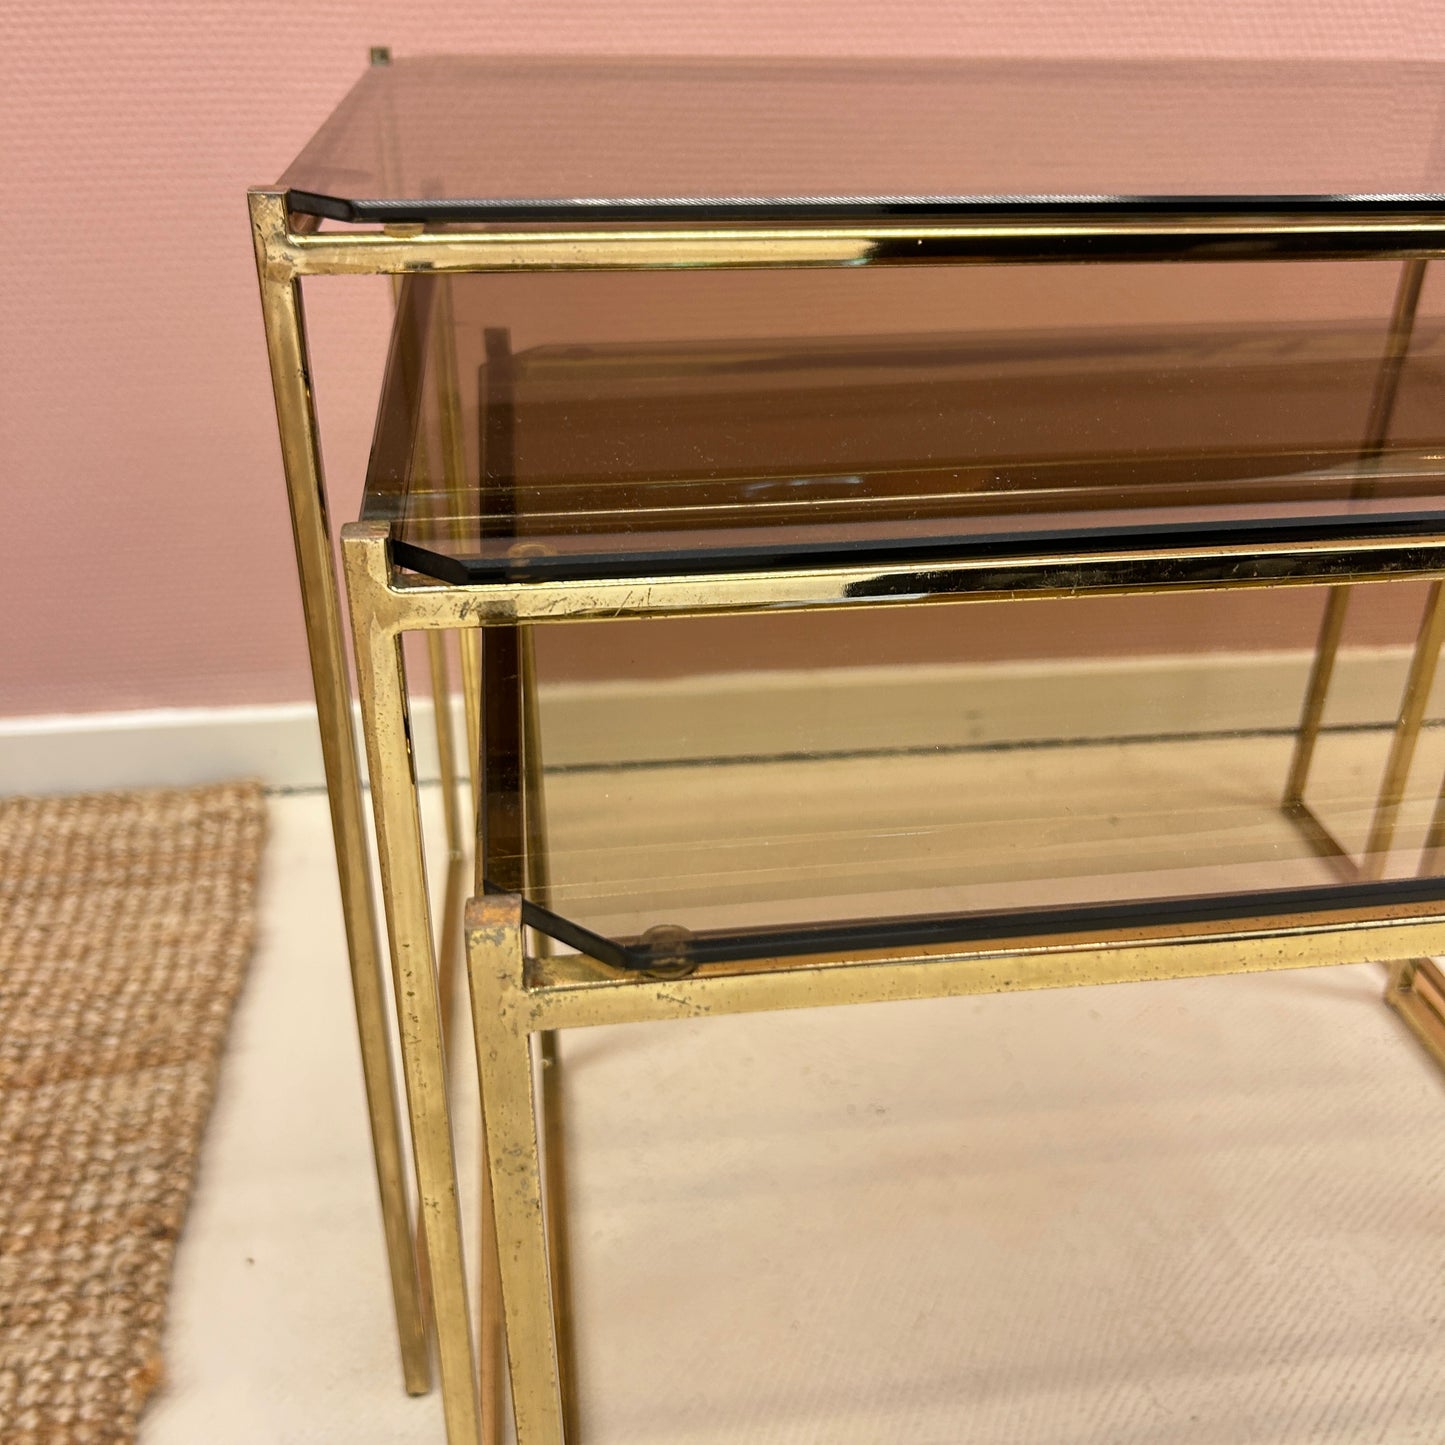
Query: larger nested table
(762, 340)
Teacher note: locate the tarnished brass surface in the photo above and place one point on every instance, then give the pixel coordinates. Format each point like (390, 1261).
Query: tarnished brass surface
(574, 992)
(301, 456)
(514, 997)
(420, 605)
(381, 685)
(1366, 235)
(504, 1061)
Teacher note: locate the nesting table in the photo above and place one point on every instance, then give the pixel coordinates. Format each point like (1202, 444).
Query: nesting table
(688, 340)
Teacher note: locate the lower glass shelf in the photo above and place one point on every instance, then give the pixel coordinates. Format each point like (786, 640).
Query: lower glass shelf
(803, 785)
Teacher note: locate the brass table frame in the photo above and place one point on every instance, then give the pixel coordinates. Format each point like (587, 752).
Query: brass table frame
(516, 996)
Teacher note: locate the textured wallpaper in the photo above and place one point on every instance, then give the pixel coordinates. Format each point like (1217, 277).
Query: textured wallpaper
(146, 549)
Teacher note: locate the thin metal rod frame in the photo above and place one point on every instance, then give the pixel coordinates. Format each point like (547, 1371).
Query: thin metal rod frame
(381, 685)
(1332, 624)
(301, 458)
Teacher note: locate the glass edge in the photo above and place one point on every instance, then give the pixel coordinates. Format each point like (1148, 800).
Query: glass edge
(722, 946)
(364, 210)
(1194, 540)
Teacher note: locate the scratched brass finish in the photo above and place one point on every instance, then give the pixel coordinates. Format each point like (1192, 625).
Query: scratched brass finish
(381, 685)
(290, 374)
(515, 997)
(448, 943)
(1364, 237)
(504, 1058)
(1045, 575)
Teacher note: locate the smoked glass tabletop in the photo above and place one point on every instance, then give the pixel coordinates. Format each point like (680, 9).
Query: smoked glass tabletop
(587, 427)
(601, 140)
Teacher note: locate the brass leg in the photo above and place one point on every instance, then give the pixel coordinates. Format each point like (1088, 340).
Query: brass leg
(491, 1335)
(1416, 990)
(504, 1056)
(382, 685)
(534, 802)
(449, 943)
(490, 1339)
(1404, 740)
(449, 939)
(515, 833)
(554, 1184)
(286, 345)
(470, 645)
(1417, 993)
(454, 472)
(513, 852)
(1327, 646)
(1432, 855)
(1407, 733)
(489, 1296)
(554, 1175)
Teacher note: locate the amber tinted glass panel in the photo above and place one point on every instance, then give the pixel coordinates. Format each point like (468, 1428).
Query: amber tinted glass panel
(480, 138)
(626, 425)
(1083, 768)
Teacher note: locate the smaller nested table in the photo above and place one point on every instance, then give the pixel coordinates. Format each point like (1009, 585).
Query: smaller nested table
(650, 363)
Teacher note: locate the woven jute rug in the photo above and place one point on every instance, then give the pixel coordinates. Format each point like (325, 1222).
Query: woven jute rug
(126, 922)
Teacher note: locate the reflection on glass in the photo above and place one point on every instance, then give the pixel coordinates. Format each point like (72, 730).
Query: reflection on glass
(1026, 758)
(1066, 412)
(450, 137)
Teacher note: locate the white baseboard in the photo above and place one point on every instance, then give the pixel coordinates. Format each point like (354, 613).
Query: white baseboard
(161, 747)
(735, 716)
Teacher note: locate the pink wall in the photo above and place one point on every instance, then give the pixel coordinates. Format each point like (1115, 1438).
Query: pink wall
(147, 551)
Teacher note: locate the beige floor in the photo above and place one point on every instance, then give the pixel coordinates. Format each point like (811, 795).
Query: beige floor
(1207, 1211)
